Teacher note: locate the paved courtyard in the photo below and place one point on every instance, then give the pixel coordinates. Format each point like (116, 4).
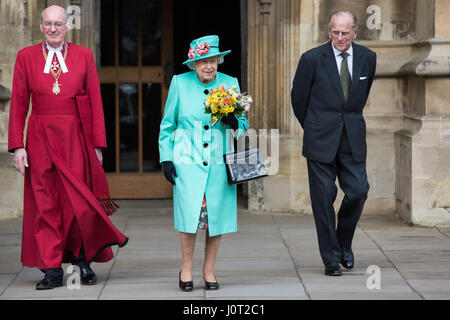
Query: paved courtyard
(270, 257)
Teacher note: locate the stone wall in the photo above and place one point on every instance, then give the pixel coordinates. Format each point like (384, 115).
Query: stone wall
(423, 148)
(15, 33)
(407, 112)
(19, 28)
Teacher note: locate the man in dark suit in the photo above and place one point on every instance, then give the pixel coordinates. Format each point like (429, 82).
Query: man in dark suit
(330, 90)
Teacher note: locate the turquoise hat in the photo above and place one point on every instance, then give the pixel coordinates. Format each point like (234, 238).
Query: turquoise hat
(204, 47)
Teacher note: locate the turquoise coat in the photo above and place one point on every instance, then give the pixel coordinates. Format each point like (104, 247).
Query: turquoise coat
(196, 149)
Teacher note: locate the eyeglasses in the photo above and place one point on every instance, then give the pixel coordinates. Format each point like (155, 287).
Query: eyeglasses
(343, 33)
(48, 24)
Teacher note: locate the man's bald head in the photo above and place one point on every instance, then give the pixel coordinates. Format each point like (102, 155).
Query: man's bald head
(54, 25)
(51, 11)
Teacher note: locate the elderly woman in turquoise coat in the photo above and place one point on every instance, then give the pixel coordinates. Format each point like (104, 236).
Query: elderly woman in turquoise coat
(191, 152)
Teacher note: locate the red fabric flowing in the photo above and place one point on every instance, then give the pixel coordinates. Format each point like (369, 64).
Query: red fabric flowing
(99, 182)
(66, 196)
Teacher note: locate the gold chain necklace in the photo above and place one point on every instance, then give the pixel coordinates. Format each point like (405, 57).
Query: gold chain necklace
(55, 68)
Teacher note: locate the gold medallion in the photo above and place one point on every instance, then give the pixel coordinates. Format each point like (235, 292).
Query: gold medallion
(56, 89)
(55, 69)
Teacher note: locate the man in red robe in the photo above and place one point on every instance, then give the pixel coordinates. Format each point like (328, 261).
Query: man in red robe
(66, 196)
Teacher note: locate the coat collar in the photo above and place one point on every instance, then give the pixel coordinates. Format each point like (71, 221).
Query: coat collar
(329, 61)
(358, 60)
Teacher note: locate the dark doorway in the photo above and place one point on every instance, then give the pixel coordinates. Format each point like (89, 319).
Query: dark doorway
(142, 43)
(195, 19)
(136, 46)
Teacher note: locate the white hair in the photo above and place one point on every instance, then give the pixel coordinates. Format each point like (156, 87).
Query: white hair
(343, 13)
(191, 64)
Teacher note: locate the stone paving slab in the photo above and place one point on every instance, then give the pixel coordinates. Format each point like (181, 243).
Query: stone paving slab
(25, 282)
(5, 280)
(254, 291)
(436, 295)
(364, 296)
(149, 290)
(271, 257)
(10, 259)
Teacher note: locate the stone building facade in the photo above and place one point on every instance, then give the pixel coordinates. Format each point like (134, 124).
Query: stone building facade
(407, 115)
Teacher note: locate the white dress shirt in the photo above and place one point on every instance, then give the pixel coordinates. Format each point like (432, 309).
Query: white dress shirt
(339, 59)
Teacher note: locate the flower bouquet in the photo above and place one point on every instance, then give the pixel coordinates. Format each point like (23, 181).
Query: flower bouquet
(222, 102)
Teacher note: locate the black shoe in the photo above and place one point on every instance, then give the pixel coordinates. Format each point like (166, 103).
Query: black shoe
(347, 258)
(185, 286)
(49, 283)
(333, 269)
(211, 285)
(88, 277)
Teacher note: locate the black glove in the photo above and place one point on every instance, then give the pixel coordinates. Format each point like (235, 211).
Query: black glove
(231, 121)
(169, 171)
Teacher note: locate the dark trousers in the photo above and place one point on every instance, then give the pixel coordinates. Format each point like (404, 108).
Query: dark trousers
(54, 273)
(352, 178)
(79, 261)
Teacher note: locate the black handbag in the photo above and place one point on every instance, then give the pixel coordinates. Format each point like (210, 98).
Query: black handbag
(244, 166)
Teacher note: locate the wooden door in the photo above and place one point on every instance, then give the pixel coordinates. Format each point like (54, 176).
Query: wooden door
(136, 68)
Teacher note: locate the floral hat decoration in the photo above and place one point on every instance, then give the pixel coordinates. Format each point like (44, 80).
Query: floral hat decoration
(204, 47)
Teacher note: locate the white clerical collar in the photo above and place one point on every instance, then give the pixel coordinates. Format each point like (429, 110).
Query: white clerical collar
(338, 52)
(50, 48)
(51, 53)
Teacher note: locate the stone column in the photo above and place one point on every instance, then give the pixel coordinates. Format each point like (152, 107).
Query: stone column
(301, 25)
(423, 146)
(261, 77)
(15, 33)
(19, 28)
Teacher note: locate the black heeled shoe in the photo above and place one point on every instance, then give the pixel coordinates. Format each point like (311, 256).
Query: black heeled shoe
(186, 286)
(211, 285)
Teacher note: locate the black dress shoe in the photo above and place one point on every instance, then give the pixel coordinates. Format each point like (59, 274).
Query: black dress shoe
(49, 283)
(333, 269)
(88, 277)
(186, 286)
(347, 258)
(211, 285)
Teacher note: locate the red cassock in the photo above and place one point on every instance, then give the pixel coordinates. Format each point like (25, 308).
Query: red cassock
(61, 212)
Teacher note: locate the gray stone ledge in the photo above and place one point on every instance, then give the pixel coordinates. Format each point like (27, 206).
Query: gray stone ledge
(5, 94)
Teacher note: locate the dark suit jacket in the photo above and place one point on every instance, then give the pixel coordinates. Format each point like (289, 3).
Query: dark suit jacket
(319, 104)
